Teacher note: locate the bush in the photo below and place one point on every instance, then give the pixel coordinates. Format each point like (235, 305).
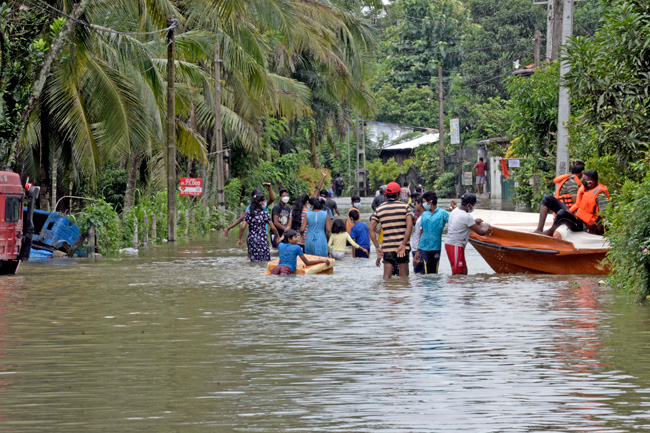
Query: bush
(109, 229)
(445, 185)
(628, 231)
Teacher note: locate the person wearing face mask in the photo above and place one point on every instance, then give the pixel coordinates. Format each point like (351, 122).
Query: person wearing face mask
(458, 227)
(281, 215)
(356, 204)
(257, 240)
(432, 221)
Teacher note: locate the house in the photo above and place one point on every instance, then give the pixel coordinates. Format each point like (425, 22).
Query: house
(403, 151)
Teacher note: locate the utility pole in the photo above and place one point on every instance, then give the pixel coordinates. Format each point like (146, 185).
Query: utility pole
(349, 163)
(441, 121)
(538, 48)
(218, 136)
(171, 132)
(554, 29)
(564, 109)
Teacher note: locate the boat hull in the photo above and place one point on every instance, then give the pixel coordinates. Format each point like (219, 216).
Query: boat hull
(508, 252)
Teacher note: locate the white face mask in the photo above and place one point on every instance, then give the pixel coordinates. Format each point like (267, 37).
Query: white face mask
(470, 210)
(263, 204)
(285, 199)
(357, 204)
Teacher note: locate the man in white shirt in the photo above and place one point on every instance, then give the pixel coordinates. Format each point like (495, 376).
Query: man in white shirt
(458, 227)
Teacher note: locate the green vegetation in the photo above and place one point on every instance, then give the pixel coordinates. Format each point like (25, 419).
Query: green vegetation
(295, 75)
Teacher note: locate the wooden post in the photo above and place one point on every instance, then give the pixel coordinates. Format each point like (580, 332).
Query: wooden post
(218, 136)
(134, 240)
(441, 121)
(145, 229)
(171, 133)
(538, 48)
(154, 234)
(92, 238)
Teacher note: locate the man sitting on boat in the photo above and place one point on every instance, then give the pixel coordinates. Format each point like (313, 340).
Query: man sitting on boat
(584, 215)
(566, 191)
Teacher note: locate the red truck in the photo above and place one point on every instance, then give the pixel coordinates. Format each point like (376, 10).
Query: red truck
(16, 224)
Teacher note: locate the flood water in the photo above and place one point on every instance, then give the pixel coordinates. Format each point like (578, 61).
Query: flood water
(190, 337)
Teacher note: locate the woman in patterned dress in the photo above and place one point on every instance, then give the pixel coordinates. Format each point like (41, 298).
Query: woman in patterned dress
(258, 241)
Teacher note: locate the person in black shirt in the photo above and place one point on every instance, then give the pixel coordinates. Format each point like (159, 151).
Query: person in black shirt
(281, 215)
(329, 204)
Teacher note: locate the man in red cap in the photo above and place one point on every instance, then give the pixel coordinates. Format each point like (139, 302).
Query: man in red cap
(396, 221)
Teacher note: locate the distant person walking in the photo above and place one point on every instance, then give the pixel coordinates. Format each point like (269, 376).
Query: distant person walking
(458, 228)
(405, 193)
(396, 221)
(480, 167)
(339, 184)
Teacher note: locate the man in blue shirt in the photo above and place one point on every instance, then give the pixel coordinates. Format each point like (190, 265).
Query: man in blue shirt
(360, 234)
(433, 221)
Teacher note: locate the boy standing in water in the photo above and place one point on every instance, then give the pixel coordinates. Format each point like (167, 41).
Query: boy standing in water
(360, 233)
(289, 252)
(458, 227)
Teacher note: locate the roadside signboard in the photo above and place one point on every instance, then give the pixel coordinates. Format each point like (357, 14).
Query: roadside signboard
(191, 186)
(468, 178)
(454, 131)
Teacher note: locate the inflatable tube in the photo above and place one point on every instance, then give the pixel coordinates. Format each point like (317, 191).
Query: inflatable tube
(301, 269)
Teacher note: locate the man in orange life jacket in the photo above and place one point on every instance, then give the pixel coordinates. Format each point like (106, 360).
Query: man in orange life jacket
(593, 198)
(566, 190)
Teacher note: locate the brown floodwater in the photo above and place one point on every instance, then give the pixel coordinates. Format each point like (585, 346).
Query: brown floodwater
(191, 337)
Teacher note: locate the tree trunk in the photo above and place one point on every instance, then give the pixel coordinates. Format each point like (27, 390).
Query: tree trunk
(44, 160)
(132, 167)
(57, 46)
(171, 135)
(314, 156)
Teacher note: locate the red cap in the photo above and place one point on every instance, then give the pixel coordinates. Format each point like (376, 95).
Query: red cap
(393, 188)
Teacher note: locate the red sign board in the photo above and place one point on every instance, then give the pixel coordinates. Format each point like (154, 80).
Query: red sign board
(191, 186)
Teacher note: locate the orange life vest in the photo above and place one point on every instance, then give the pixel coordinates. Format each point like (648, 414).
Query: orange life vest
(560, 181)
(586, 207)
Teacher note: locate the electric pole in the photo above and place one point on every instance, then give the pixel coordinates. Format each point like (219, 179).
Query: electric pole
(441, 121)
(171, 133)
(564, 109)
(218, 135)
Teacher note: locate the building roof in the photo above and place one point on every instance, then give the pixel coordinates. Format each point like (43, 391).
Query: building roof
(431, 137)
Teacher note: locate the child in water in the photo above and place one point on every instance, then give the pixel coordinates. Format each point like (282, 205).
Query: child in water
(360, 234)
(337, 240)
(289, 251)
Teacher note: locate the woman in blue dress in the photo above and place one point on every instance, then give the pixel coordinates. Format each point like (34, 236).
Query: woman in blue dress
(319, 223)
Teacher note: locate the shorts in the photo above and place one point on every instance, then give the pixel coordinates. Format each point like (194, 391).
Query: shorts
(429, 262)
(391, 258)
(456, 259)
(282, 270)
(480, 180)
(358, 254)
(338, 255)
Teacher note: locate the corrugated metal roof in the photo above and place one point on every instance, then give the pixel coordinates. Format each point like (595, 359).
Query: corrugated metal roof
(416, 142)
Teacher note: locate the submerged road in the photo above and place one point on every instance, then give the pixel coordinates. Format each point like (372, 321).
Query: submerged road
(190, 337)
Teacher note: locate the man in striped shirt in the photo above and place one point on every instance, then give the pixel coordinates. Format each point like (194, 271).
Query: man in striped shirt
(396, 221)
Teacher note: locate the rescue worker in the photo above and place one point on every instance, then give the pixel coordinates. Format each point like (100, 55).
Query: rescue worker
(584, 215)
(566, 190)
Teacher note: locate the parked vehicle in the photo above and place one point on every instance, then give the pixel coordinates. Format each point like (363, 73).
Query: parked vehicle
(16, 224)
